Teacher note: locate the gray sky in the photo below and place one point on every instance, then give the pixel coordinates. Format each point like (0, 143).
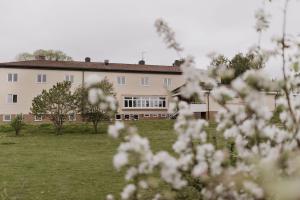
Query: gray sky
(119, 30)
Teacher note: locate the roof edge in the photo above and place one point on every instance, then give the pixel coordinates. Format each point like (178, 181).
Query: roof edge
(6, 65)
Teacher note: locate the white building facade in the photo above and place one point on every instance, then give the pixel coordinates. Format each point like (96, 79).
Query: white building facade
(142, 91)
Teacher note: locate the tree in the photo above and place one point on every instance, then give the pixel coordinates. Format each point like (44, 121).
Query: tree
(17, 124)
(52, 55)
(237, 66)
(97, 110)
(56, 103)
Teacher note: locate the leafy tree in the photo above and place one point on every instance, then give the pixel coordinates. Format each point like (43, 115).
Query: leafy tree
(25, 56)
(56, 103)
(237, 65)
(54, 55)
(97, 110)
(219, 60)
(17, 124)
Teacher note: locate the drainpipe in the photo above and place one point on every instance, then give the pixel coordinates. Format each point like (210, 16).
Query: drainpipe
(208, 117)
(275, 99)
(82, 106)
(82, 83)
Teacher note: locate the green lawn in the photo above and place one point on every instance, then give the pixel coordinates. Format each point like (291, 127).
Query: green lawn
(75, 165)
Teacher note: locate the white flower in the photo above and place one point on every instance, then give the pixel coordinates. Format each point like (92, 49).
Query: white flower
(128, 191)
(110, 197)
(120, 159)
(143, 184)
(157, 197)
(111, 102)
(254, 189)
(114, 130)
(93, 79)
(169, 169)
(94, 95)
(219, 189)
(131, 173)
(200, 169)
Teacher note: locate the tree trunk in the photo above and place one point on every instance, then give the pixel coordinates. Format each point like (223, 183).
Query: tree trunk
(95, 124)
(58, 125)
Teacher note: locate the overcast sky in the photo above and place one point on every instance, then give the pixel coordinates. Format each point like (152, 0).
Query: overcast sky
(119, 30)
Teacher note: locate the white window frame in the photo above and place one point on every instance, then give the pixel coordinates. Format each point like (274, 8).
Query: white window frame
(36, 119)
(144, 102)
(121, 80)
(145, 81)
(10, 99)
(69, 77)
(14, 77)
(154, 115)
(69, 117)
(5, 120)
(147, 115)
(167, 82)
(42, 78)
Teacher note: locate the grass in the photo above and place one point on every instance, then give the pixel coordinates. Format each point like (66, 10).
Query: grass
(75, 165)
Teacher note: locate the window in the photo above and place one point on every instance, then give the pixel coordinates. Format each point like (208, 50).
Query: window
(69, 78)
(6, 118)
(145, 81)
(163, 115)
(118, 117)
(12, 98)
(41, 78)
(146, 115)
(167, 82)
(72, 117)
(145, 102)
(38, 118)
(121, 80)
(126, 117)
(12, 77)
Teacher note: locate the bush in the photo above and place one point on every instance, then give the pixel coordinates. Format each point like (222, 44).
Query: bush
(17, 124)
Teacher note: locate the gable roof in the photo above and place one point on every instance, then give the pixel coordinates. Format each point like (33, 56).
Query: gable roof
(92, 66)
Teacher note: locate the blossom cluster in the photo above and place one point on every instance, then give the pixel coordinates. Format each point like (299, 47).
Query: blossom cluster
(260, 157)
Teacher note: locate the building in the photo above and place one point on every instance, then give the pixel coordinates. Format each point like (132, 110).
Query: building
(142, 91)
(208, 107)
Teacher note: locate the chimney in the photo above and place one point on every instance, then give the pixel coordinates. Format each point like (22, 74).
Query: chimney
(142, 62)
(87, 59)
(106, 62)
(177, 63)
(40, 57)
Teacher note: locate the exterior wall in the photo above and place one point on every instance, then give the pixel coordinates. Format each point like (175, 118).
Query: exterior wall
(29, 118)
(133, 87)
(27, 87)
(269, 100)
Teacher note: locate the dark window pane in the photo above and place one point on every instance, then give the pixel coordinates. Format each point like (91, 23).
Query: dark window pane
(10, 77)
(130, 103)
(39, 78)
(15, 98)
(15, 77)
(44, 78)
